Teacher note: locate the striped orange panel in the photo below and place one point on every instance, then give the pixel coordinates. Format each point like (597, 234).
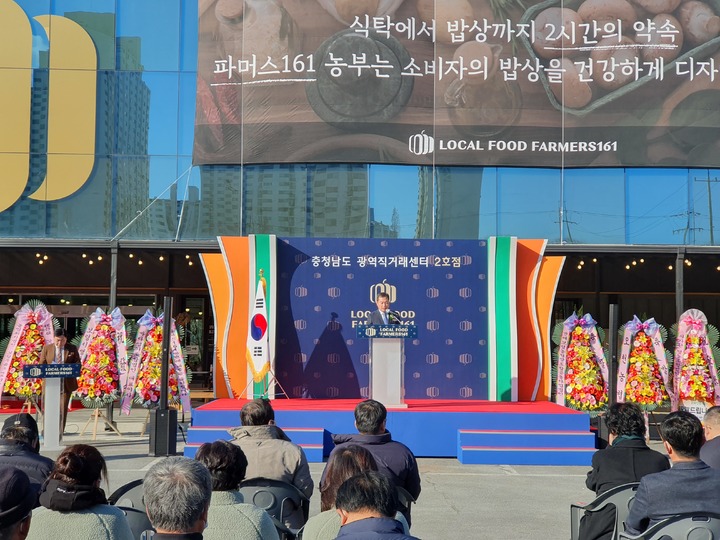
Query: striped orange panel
(548, 279)
(528, 259)
(219, 286)
(235, 252)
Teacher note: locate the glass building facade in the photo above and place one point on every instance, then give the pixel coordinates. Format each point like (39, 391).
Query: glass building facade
(143, 185)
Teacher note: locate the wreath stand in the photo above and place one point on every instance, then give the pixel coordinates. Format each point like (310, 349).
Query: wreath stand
(95, 417)
(28, 405)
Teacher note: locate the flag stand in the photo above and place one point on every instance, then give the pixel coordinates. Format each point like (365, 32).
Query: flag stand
(266, 386)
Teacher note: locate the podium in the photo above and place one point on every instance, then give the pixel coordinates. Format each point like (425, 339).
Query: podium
(53, 375)
(387, 361)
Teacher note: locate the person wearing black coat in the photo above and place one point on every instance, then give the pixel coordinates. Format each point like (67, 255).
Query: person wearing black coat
(627, 459)
(19, 448)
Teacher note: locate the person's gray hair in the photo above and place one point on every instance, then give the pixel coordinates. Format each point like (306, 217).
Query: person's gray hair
(177, 491)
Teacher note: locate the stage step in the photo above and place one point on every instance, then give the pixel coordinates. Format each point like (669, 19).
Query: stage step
(525, 447)
(311, 440)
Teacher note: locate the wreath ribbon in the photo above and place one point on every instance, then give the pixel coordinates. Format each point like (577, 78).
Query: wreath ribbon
(652, 330)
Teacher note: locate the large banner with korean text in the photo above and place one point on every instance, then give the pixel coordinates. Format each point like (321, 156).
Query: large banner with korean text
(459, 82)
(326, 287)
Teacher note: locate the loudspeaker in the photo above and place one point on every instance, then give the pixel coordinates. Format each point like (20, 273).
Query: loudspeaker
(163, 432)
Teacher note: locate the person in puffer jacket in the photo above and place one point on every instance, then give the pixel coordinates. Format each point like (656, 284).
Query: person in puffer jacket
(72, 504)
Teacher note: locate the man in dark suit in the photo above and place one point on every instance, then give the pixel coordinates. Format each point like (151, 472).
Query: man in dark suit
(626, 459)
(690, 486)
(710, 452)
(62, 352)
(383, 314)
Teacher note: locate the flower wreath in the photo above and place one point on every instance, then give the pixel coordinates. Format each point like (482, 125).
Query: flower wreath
(33, 327)
(643, 368)
(103, 352)
(581, 369)
(145, 369)
(694, 372)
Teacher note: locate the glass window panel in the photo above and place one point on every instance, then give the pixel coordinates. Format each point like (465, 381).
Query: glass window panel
(27, 218)
(147, 118)
(528, 203)
(488, 203)
(594, 206)
(97, 17)
(87, 211)
(658, 210)
(153, 29)
(276, 199)
(107, 107)
(189, 35)
(140, 182)
(163, 134)
(706, 204)
(458, 202)
(220, 199)
(193, 215)
(131, 96)
(390, 215)
(338, 200)
(186, 116)
(36, 7)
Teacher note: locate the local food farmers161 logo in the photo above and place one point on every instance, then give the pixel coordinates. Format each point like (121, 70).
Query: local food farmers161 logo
(421, 144)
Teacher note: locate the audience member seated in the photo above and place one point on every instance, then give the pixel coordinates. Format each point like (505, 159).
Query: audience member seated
(366, 505)
(72, 503)
(393, 458)
(177, 496)
(350, 460)
(17, 499)
(20, 447)
(270, 453)
(710, 451)
(689, 486)
(626, 459)
(228, 515)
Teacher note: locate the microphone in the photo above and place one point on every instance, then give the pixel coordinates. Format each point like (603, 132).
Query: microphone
(393, 316)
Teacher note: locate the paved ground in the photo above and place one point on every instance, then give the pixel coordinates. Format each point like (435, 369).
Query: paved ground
(457, 502)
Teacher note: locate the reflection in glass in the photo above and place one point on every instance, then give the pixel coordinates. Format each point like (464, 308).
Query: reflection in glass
(528, 203)
(156, 27)
(458, 202)
(594, 207)
(399, 200)
(659, 209)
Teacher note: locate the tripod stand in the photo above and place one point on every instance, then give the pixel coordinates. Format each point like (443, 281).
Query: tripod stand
(272, 379)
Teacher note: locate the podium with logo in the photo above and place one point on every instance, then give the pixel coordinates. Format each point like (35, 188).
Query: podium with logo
(387, 361)
(53, 375)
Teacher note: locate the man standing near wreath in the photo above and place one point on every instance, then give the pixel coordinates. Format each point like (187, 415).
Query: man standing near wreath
(383, 314)
(62, 352)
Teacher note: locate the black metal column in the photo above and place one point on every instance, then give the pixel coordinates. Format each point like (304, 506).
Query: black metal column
(163, 420)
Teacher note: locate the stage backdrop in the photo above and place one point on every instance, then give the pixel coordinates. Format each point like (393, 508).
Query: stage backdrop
(482, 309)
(326, 287)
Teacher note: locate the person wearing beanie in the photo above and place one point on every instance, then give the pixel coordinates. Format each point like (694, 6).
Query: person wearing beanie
(17, 499)
(20, 446)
